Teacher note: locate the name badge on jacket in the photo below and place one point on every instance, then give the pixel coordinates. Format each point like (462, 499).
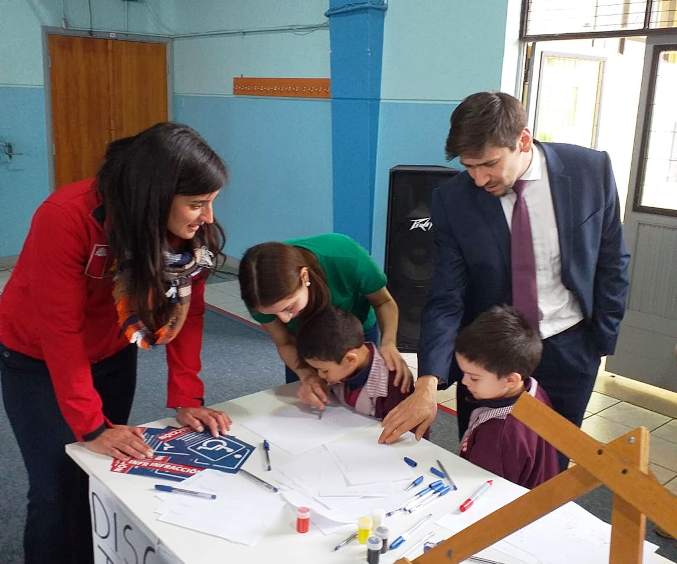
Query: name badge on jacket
(99, 263)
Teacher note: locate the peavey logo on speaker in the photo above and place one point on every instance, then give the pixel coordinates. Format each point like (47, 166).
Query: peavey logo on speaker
(423, 223)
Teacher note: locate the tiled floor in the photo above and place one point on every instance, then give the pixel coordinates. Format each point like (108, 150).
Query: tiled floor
(607, 415)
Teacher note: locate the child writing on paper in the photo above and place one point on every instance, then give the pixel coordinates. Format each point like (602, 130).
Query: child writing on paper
(332, 342)
(497, 353)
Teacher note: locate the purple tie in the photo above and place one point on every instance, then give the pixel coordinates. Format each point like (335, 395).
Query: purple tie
(524, 292)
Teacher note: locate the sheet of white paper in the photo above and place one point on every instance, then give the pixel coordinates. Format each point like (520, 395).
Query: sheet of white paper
(241, 512)
(297, 429)
(312, 471)
(364, 461)
(568, 534)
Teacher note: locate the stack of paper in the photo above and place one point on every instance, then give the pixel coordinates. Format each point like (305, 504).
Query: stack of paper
(298, 429)
(242, 512)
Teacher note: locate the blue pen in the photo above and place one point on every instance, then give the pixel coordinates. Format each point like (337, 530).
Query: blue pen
(266, 450)
(430, 486)
(172, 489)
(403, 537)
(425, 490)
(415, 483)
(444, 491)
(437, 488)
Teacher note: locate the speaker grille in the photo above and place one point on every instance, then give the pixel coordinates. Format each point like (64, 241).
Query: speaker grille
(409, 244)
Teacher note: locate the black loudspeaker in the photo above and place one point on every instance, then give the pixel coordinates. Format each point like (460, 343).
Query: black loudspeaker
(409, 244)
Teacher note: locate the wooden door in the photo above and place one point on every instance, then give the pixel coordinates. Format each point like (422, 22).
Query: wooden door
(81, 110)
(101, 90)
(139, 86)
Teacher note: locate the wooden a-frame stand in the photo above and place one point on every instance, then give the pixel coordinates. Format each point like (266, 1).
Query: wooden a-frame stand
(621, 465)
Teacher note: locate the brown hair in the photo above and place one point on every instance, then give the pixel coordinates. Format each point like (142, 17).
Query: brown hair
(485, 118)
(329, 335)
(138, 181)
(501, 341)
(270, 272)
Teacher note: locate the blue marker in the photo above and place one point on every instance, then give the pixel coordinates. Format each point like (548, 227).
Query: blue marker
(403, 537)
(410, 462)
(415, 483)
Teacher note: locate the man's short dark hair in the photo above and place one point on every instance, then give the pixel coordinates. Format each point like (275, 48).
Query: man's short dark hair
(485, 118)
(329, 335)
(501, 341)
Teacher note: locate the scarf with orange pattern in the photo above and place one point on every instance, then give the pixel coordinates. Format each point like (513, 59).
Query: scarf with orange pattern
(180, 269)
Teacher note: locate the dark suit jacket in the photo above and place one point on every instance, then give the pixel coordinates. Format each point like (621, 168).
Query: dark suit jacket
(472, 246)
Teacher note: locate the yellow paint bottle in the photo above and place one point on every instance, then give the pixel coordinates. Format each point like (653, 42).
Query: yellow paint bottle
(363, 529)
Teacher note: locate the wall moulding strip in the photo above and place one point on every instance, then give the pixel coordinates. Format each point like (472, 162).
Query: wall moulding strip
(282, 87)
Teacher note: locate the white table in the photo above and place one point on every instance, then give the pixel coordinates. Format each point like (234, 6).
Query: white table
(124, 506)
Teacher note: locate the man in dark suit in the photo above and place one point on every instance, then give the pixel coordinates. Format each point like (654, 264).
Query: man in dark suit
(536, 225)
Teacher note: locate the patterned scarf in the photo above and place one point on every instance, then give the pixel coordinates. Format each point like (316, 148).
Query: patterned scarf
(180, 269)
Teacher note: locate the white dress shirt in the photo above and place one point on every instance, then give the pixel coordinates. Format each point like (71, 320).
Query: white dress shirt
(558, 307)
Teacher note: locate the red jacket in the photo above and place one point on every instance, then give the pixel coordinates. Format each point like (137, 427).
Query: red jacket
(58, 307)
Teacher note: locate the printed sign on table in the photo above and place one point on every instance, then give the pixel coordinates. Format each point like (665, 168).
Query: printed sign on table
(182, 452)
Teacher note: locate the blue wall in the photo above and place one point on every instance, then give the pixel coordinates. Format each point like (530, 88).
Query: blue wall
(278, 153)
(435, 53)
(278, 150)
(24, 181)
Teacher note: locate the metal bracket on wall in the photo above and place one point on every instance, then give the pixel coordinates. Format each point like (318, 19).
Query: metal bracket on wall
(7, 152)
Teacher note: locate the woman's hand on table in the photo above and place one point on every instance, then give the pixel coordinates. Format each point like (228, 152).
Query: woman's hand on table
(122, 442)
(395, 362)
(313, 392)
(197, 418)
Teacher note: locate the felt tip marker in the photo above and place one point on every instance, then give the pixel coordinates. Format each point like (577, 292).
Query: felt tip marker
(172, 489)
(467, 504)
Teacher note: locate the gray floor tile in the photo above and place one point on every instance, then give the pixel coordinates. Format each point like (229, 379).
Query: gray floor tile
(633, 416)
(598, 402)
(667, 432)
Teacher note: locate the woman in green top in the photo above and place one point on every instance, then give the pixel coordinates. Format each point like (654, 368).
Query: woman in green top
(283, 283)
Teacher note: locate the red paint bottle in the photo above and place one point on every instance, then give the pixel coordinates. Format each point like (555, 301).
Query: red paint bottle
(302, 519)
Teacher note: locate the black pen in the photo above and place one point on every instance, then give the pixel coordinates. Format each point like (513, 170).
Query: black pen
(262, 482)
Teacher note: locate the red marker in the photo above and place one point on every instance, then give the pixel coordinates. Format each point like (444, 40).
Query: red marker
(467, 504)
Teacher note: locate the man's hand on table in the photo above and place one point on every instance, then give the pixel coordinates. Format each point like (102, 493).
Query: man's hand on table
(417, 412)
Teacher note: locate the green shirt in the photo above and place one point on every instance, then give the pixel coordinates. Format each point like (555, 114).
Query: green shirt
(350, 272)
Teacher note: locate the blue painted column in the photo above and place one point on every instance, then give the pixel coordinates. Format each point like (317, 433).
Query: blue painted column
(356, 34)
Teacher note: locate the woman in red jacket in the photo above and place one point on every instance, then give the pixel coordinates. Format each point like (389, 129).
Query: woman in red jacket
(109, 265)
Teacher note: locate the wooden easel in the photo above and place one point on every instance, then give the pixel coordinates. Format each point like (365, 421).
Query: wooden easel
(621, 465)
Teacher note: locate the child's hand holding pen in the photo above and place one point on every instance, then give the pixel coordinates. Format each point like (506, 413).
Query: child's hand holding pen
(313, 392)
